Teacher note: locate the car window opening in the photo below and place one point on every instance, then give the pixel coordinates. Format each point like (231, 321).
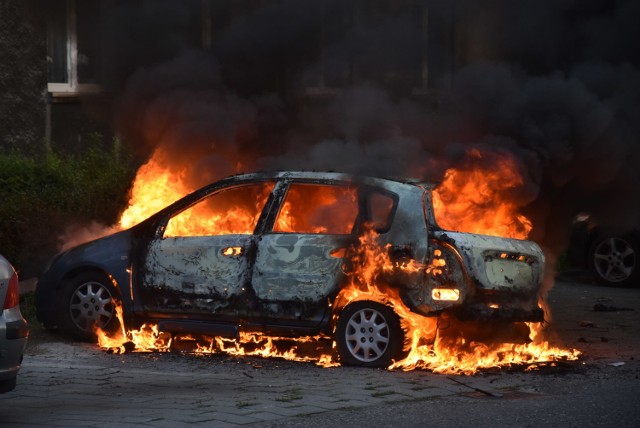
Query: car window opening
(228, 212)
(318, 209)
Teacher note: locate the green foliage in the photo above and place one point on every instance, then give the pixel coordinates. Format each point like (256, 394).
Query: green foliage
(40, 197)
(28, 307)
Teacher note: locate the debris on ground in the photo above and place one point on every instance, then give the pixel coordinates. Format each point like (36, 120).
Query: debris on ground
(599, 307)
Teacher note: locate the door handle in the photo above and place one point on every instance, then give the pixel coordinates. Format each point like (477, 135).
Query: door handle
(232, 251)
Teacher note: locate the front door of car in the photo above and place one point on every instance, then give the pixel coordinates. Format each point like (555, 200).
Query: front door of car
(201, 263)
(299, 262)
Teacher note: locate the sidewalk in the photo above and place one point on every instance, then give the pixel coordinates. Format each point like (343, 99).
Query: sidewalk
(78, 385)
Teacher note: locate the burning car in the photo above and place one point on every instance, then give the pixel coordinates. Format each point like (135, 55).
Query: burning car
(293, 254)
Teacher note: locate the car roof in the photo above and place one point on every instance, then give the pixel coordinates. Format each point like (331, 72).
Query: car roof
(328, 175)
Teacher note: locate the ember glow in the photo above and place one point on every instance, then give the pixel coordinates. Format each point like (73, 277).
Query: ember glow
(435, 344)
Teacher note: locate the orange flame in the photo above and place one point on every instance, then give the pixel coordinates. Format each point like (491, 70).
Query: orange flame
(154, 187)
(476, 199)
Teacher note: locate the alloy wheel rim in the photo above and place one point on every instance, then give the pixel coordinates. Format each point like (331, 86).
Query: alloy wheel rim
(91, 306)
(367, 335)
(614, 259)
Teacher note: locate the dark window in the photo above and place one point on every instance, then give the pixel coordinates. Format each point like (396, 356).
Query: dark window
(58, 44)
(88, 39)
(380, 207)
(74, 45)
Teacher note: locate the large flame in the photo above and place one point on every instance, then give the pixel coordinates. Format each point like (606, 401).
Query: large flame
(155, 187)
(476, 199)
(472, 200)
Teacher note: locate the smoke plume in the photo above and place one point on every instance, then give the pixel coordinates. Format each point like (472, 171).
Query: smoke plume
(553, 84)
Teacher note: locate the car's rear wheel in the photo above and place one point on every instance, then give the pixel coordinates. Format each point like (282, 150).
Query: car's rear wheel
(368, 334)
(87, 302)
(614, 260)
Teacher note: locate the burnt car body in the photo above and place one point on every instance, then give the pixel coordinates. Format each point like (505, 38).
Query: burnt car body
(14, 330)
(611, 255)
(283, 271)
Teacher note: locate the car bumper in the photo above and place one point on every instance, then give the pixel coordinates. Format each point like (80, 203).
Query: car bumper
(14, 331)
(482, 312)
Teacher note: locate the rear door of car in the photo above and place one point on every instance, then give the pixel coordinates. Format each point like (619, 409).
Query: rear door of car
(201, 263)
(300, 256)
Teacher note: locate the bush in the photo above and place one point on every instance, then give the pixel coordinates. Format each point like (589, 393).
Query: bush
(41, 197)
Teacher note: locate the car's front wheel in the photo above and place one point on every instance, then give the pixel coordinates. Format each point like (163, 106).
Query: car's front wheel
(368, 334)
(615, 260)
(87, 301)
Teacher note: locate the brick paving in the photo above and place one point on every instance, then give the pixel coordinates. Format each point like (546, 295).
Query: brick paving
(64, 384)
(72, 384)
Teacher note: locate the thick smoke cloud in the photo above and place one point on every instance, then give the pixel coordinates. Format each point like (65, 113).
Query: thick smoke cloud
(554, 84)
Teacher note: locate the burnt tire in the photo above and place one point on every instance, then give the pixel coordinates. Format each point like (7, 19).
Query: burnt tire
(368, 334)
(614, 260)
(87, 301)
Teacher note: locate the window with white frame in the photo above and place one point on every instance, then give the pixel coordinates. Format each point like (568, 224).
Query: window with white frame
(73, 47)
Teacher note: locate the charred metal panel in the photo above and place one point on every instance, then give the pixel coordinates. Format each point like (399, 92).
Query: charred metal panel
(409, 228)
(499, 264)
(298, 267)
(200, 273)
(443, 270)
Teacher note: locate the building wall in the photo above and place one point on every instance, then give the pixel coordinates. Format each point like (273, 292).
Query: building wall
(23, 79)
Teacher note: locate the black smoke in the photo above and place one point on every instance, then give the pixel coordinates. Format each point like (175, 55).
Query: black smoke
(553, 84)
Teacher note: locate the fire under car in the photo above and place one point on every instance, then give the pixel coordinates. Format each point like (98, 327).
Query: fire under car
(274, 252)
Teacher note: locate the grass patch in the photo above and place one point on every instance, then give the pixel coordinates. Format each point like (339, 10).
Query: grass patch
(382, 393)
(28, 306)
(421, 387)
(292, 395)
(243, 404)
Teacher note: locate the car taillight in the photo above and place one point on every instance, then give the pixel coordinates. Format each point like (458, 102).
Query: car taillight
(13, 293)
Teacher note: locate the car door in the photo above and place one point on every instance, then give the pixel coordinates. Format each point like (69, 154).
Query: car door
(299, 260)
(200, 265)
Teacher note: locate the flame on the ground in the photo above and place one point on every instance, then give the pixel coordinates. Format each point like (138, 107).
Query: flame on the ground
(460, 203)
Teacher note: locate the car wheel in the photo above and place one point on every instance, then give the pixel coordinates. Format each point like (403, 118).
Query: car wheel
(368, 334)
(8, 385)
(88, 301)
(614, 260)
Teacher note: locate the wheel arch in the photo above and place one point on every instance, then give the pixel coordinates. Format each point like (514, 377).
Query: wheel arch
(81, 270)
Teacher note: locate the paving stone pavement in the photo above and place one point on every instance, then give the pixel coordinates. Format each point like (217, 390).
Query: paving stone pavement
(73, 384)
(67, 385)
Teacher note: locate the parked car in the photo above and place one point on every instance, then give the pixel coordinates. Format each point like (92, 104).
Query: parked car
(271, 252)
(612, 256)
(14, 330)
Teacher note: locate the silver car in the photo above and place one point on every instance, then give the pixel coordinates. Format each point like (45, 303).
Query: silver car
(14, 329)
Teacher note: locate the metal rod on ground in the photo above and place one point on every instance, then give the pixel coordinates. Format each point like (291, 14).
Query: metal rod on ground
(482, 391)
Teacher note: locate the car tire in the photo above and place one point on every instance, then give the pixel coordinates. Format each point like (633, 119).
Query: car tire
(614, 260)
(368, 334)
(87, 301)
(7, 385)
